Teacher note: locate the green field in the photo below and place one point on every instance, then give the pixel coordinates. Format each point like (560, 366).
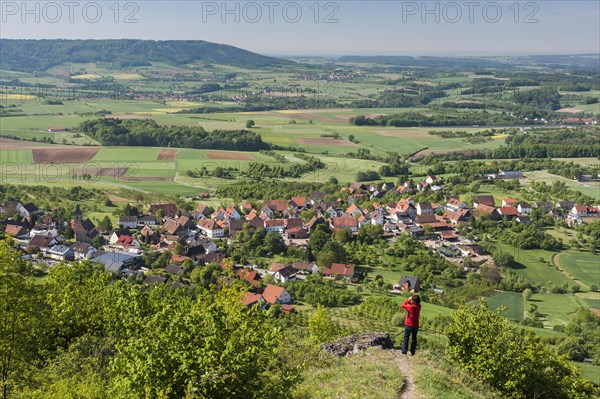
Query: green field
(513, 301)
(536, 265)
(589, 299)
(16, 156)
(590, 372)
(584, 267)
(554, 308)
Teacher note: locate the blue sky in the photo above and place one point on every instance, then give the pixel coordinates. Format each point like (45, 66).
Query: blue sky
(282, 27)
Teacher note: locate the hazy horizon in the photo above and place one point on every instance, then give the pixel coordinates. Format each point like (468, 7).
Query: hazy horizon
(288, 28)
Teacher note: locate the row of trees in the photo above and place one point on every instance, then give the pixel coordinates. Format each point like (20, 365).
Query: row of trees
(411, 119)
(148, 133)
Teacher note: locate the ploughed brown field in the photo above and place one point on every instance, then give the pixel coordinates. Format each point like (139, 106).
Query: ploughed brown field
(230, 155)
(167, 155)
(64, 155)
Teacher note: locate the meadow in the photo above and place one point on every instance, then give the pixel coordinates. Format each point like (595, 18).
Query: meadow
(535, 265)
(513, 301)
(584, 267)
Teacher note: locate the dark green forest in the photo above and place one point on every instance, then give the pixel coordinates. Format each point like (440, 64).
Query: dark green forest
(146, 132)
(40, 55)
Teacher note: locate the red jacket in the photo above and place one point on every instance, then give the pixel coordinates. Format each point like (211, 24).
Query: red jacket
(412, 313)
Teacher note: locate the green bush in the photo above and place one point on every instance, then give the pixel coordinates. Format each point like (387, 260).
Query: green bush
(512, 360)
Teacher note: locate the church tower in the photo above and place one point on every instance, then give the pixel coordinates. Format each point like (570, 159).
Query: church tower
(77, 217)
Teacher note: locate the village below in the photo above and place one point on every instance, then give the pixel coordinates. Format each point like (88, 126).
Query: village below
(199, 221)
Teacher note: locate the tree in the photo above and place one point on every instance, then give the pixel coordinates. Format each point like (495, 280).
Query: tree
(575, 288)
(322, 329)
(105, 224)
(201, 348)
(318, 238)
(23, 317)
(351, 138)
(250, 124)
(160, 214)
(527, 294)
(343, 236)
(75, 298)
(206, 275)
(179, 249)
(511, 360)
(274, 243)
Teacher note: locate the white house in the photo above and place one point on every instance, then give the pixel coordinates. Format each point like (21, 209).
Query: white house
(430, 179)
(43, 230)
(377, 216)
(210, 228)
(83, 251)
(288, 273)
(128, 222)
(60, 252)
(455, 204)
(524, 208)
(267, 211)
(332, 212)
(275, 225)
(147, 220)
(232, 213)
(306, 267)
(424, 208)
(579, 210)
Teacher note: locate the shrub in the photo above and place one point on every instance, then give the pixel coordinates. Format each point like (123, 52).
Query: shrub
(511, 360)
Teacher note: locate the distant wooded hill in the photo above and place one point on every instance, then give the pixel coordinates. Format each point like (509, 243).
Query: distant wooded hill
(40, 55)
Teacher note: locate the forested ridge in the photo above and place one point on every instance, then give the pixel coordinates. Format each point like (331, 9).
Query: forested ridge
(40, 55)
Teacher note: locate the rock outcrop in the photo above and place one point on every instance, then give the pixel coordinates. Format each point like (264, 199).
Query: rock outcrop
(355, 343)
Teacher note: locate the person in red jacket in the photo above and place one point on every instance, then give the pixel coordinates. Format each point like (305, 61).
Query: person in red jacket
(411, 324)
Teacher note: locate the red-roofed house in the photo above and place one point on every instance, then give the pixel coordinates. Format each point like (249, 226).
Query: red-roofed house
(344, 222)
(179, 258)
(128, 243)
(579, 210)
(340, 269)
(277, 205)
(250, 276)
(275, 294)
(484, 200)
(275, 225)
(454, 204)
(509, 202)
(508, 211)
(55, 129)
(354, 211)
(298, 202)
(211, 228)
(16, 230)
(251, 299)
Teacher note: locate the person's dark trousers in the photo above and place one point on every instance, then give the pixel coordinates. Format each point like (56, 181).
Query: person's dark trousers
(410, 332)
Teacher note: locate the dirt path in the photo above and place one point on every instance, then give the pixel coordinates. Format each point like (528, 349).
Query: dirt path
(409, 390)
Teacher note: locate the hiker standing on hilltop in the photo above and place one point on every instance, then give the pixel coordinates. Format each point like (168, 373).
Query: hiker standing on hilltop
(411, 324)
